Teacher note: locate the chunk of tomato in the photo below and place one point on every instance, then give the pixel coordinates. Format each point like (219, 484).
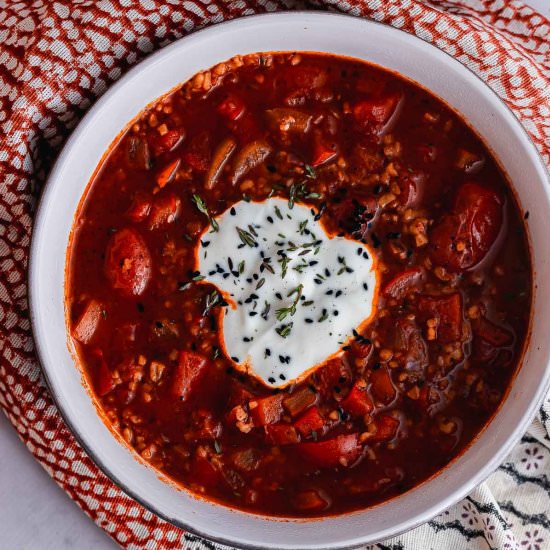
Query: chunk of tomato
(447, 310)
(402, 283)
(343, 450)
(386, 428)
(281, 434)
(167, 142)
(311, 421)
(382, 386)
(373, 114)
(164, 211)
(232, 107)
(191, 366)
(128, 264)
(87, 323)
(140, 207)
(464, 237)
(335, 374)
(267, 410)
(104, 382)
(358, 402)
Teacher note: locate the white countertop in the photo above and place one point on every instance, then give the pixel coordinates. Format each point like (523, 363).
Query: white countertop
(35, 514)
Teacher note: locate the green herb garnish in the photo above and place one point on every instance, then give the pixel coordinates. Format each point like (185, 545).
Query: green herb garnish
(203, 209)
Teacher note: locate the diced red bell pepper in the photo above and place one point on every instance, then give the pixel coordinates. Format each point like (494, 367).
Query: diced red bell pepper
(167, 142)
(323, 151)
(167, 173)
(189, 369)
(128, 263)
(342, 450)
(358, 402)
(86, 325)
(140, 207)
(336, 372)
(104, 382)
(299, 401)
(382, 386)
(447, 310)
(232, 107)
(311, 501)
(386, 428)
(281, 434)
(373, 113)
(402, 283)
(165, 210)
(267, 410)
(310, 421)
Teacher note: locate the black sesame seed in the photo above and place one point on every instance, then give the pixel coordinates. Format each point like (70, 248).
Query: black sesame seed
(236, 359)
(253, 314)
(308, 320)
(267, 352)
(335, 313)
(526, 216)
(232, 211)
(271, 380)
(338, 293)
(270, 219)
(365, 286)
(282, 376)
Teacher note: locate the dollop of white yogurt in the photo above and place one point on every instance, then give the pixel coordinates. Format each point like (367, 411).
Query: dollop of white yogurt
(295, 293)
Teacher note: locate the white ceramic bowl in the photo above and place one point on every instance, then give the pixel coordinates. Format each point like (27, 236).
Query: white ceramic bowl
(174, 64)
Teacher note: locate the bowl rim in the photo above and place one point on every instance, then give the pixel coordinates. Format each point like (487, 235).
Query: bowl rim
(67, 149)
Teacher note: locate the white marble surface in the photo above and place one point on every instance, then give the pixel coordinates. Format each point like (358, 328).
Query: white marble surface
(34, 513)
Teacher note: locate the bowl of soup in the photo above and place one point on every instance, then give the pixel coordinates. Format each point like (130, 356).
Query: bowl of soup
(286, 282)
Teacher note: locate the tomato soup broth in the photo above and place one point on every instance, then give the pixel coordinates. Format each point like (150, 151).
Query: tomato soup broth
(299, 285)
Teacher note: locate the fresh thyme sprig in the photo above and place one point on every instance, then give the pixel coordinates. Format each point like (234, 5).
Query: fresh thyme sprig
(283, 312)
(211, 300)
(284, 330)
(203, 209)
(246, 237)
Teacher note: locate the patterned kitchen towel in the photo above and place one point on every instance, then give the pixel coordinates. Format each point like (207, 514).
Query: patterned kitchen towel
(57, 57)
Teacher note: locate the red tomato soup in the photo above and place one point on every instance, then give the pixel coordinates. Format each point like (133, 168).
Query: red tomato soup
(345, 399)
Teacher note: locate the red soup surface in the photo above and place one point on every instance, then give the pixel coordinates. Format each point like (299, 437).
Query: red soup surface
(377, 160)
